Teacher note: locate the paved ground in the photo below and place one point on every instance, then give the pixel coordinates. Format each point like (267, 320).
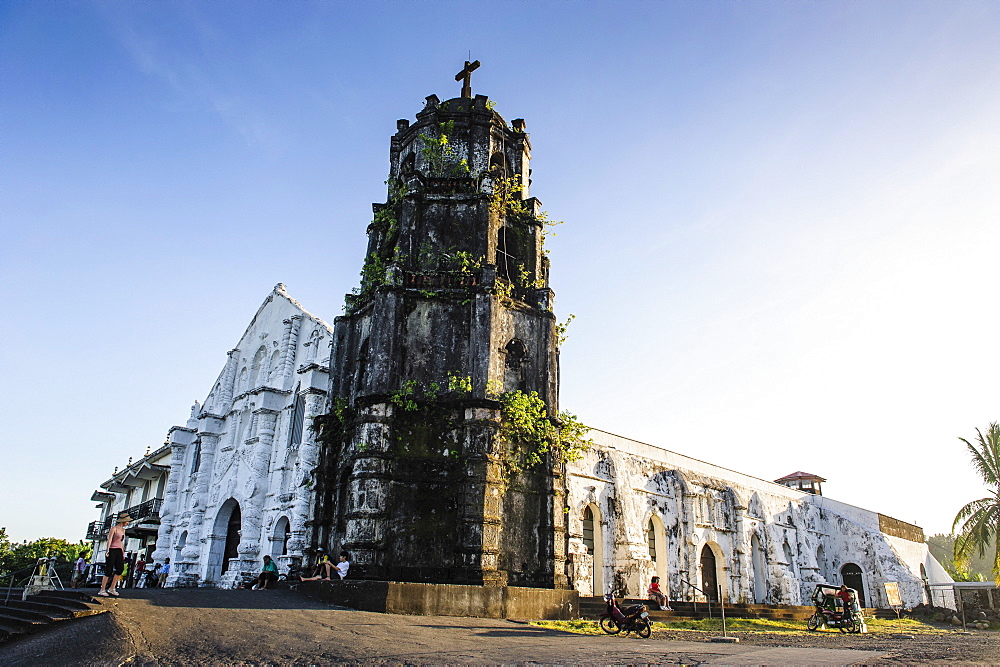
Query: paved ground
(281, 627)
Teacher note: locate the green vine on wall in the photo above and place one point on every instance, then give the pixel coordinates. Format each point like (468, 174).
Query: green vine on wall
(525, 423)
(332, 428)
(561, 328)
(439, 153)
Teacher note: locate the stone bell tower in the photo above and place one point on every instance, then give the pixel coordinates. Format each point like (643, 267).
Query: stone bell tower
(454, 312)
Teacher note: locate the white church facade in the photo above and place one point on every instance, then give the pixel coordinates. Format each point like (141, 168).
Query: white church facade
(240, 469)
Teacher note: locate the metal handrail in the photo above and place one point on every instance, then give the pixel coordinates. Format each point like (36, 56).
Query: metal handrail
(13, 574)
(708, 600)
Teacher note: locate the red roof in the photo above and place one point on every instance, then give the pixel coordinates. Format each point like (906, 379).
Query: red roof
(799, 475)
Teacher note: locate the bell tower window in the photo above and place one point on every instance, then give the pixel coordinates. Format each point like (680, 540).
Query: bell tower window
(506, 258)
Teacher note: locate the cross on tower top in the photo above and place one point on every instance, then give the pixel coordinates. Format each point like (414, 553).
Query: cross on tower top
(465, 75)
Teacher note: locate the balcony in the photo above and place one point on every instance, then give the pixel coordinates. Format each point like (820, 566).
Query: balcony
(147, 511)
(98, 530)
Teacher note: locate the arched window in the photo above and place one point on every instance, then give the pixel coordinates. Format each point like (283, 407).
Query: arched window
(258, 361)
(274, 369)
(498, 165)
(298, 415)
(515, 356)
(507, 262)
(196, 457)
(361, 368)
(408, 165)
(651, 540)
(588, 529)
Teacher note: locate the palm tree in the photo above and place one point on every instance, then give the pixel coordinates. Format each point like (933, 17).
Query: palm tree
(980, 519)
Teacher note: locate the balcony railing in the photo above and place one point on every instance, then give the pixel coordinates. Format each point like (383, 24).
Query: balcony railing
(98, 530)
(147, 511)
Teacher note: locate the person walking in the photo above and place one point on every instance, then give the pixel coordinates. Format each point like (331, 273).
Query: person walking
(114, 559)
(79, 568)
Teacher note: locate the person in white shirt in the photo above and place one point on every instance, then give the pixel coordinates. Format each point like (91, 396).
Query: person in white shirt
(343, 565)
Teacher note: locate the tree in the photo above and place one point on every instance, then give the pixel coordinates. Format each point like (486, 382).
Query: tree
(980, 519)
(15, 557)
(975, 568)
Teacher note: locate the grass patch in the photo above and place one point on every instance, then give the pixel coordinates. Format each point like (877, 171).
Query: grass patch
(580, 627)
(875, 626)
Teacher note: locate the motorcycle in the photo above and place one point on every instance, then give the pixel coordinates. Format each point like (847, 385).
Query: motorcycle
(631, 619)
(827, 613)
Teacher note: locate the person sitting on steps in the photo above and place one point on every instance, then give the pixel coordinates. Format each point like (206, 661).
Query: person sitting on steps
(323, 569)
(268, 575)
(656, 594)
(341, 569)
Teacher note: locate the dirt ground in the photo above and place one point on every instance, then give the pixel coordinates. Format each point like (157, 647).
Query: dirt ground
(154, 627)
(978, 647)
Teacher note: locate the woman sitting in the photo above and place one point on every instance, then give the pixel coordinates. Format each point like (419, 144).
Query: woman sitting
(268, 575)
(656, 594)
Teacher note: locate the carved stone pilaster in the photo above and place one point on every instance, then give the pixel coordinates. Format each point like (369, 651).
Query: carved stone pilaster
(228, 382)
(302, 481)
(290, 343)
(168, 511)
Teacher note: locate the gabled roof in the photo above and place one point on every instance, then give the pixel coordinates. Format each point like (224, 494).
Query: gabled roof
(798, 475)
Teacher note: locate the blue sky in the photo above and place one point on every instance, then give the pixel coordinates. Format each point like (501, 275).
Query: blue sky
(780, 239)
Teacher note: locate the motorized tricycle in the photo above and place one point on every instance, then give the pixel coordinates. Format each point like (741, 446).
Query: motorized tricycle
(631, 619)
(831, 611)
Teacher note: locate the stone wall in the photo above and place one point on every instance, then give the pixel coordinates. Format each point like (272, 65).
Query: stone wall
(769, 543)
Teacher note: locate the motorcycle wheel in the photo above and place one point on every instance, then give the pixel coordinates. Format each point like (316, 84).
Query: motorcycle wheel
(609, 625)
(844, 628)
(645, 630)
(814, 622)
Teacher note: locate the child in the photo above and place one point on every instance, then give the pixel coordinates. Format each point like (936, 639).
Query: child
(656, 594)
(343, 565)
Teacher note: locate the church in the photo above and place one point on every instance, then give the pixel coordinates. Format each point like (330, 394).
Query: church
(422, 431)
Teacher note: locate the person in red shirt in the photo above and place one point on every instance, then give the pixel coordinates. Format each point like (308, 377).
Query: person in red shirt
(847, 598)
(655, 593)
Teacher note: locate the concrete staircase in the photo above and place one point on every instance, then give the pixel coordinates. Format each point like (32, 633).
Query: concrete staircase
(592, 608)
(39, 611)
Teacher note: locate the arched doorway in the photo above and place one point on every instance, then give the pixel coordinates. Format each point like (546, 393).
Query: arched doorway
(224, 540)
(850, 574)
(593, 540)
(709, 574)
(759, 563)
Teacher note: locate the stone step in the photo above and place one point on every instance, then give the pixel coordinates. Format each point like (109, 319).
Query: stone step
(19, 617)
(25, 621)
(53, 610)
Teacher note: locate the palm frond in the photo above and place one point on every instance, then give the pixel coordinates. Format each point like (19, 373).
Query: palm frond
(980, 527)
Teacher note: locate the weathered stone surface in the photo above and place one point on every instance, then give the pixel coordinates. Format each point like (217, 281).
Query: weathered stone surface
(448, 599)
(452, 311)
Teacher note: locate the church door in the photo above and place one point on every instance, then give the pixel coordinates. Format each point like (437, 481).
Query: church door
(232, 538)
(850, 574)
(709, 580)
